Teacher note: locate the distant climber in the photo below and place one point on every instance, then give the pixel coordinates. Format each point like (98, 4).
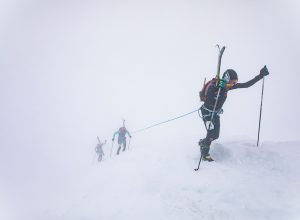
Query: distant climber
(121, 138)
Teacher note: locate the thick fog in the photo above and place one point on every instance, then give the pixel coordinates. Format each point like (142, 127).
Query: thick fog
(72, 70)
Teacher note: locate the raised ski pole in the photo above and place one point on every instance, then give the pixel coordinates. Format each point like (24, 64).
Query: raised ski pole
(221, 51)
(261, 102)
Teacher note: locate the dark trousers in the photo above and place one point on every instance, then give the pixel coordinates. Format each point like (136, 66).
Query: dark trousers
(121, 142)
(214, 131)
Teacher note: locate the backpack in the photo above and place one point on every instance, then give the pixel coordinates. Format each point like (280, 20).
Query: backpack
(122, 131)
(203, 92)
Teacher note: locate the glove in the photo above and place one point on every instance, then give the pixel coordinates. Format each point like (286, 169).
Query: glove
(113, 139)
(130, 136)
(222, 83)
(264, 71)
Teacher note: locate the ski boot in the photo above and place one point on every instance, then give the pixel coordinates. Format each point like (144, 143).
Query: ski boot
(207, 158)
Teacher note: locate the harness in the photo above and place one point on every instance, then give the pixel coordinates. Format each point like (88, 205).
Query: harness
(211, 112)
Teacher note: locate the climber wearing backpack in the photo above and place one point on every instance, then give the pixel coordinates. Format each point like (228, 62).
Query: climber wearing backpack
(99, 149)
(121, 138)
(209, 95)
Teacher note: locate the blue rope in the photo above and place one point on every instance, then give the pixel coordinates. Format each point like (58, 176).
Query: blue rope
(151, 126)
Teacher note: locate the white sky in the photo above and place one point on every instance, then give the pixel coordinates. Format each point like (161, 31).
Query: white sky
(70, 70)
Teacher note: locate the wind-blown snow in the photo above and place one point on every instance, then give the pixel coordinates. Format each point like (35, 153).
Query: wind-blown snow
(159, 182)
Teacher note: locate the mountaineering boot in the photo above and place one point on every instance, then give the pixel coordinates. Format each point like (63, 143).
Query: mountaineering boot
(204, 147)
(208, 158)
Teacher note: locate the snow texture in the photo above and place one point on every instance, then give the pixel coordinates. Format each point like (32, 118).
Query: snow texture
(159, 182)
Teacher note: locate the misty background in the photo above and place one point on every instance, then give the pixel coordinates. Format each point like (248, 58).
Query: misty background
(71, 70)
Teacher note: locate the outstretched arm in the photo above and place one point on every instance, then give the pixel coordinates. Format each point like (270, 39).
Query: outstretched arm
(115, 135)
(263, 72)
(129, 134)
(247, 84)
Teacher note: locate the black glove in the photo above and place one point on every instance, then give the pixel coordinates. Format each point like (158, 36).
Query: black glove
(264, 71)
(113, 139)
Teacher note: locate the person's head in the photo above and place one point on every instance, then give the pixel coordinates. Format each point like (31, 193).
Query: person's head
(230, 76)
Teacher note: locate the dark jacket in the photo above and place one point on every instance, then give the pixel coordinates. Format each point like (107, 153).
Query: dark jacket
(213, 89)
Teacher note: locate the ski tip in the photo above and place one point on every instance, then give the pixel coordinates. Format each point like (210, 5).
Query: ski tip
(220, 50)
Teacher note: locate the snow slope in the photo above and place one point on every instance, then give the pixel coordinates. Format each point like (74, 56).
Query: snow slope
(159, 182)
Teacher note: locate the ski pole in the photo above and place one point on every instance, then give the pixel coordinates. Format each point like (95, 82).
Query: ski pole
(213, 112)
(199, 160)
(261, 102)
(112, 145)
(129, 143)
(200, 152)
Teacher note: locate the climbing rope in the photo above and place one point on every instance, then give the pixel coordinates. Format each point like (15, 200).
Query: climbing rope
(172, 119)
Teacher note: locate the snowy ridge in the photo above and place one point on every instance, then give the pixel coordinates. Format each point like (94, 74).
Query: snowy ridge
(245, 182)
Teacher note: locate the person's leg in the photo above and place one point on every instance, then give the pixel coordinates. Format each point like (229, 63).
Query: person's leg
(119, 149)
(120, 144)
(206, 116)
(216, 133)
(205, 142)
(213, 131)
(204, 146)
(124, 145)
